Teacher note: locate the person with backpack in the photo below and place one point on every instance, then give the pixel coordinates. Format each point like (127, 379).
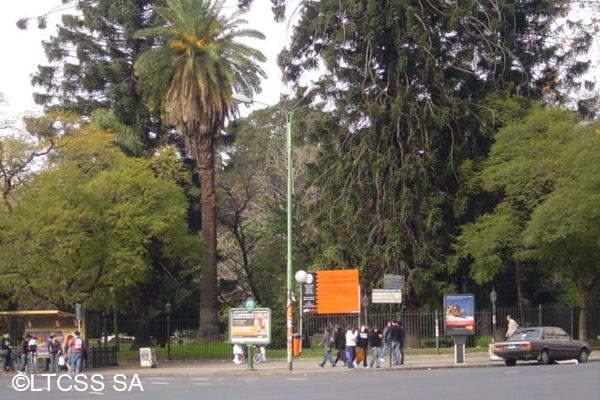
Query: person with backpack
(328, 341)
(54, 351)
(77, 348)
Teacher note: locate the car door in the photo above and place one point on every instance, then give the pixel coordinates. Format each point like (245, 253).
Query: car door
(568, 348)
(552, 343)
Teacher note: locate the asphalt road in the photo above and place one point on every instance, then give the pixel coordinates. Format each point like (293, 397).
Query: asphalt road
(565, 381)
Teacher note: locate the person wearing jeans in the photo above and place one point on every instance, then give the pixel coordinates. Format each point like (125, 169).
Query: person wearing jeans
(6, 347)
(386, 340)
(77, 346)
(375, 343)
(24, 353)
(351, 336)
(328, 342)
(54, 350)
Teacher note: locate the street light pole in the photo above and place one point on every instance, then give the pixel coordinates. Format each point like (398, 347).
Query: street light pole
(493, 298)
(239, 98)
(168, 308)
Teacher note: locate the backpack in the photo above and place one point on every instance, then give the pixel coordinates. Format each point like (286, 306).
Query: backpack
(331, 342)
(78, 344)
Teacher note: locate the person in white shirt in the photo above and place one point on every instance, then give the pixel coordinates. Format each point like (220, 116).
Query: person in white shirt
(512, 326)
(351, 336)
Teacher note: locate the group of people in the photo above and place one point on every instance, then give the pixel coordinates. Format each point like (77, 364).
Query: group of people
(71, 353)
(353, 342)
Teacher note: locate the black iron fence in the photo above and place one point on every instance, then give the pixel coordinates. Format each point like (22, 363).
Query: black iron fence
(176, 339)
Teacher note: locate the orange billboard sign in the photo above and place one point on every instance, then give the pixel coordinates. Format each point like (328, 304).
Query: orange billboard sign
(331, 292)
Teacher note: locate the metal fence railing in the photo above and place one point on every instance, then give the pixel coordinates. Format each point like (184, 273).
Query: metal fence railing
(177, 338)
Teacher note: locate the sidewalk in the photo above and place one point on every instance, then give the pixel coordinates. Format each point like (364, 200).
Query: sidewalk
(301, 366)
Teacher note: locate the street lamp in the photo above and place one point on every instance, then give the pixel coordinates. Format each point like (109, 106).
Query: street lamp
(301, 277)
(289, 113)
(365, 303)
(168, 309)
(493, 298)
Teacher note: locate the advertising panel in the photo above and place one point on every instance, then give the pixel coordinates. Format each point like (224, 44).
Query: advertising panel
(250, 326)
(460, 314)
(331, 292)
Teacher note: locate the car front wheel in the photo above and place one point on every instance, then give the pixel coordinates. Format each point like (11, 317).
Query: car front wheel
(583, 356)
(544, 358)
(510, 363)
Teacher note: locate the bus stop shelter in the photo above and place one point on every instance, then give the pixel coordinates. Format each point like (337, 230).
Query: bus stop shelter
(43, 324)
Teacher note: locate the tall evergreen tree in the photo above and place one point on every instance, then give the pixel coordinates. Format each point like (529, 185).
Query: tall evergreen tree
(91, 64)
(191, 77)
(410, 80)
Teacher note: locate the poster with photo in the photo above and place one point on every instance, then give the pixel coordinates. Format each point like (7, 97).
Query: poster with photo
(459, 314)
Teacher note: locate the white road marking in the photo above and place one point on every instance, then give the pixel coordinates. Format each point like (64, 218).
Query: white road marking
(513, 372)
(98, 393)
(160, 383)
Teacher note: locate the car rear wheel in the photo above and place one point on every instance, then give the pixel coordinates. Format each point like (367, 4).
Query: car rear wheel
(510, 363)
(583, 356)
(544, 358)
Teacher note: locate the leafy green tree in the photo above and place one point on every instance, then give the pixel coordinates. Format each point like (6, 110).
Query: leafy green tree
(191, 77)
(88, 223)
(410, 83)
(542, 170)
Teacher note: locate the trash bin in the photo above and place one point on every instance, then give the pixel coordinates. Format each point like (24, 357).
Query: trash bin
(147, 357)
(296, 338)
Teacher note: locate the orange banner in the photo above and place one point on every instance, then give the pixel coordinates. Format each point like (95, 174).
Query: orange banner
(337, 292)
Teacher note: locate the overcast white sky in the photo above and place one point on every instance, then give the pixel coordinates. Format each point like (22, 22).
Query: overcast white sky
(22, 50)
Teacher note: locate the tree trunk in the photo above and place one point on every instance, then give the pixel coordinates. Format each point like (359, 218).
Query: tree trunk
(584, 295)
(208, 329)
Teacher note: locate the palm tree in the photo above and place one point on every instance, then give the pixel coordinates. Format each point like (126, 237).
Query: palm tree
(191, 75)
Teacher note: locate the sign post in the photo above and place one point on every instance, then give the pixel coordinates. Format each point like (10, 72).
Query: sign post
(250, 326)
(460, 322)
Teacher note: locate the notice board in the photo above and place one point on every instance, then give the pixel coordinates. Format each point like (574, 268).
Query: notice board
(331, 292)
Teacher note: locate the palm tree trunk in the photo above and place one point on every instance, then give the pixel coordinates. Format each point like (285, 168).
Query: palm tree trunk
(209, 325)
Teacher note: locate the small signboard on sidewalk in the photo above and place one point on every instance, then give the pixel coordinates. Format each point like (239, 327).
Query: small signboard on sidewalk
(392, 296)
(250, 326)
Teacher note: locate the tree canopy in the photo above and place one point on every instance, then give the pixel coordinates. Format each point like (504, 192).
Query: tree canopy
(87, 223)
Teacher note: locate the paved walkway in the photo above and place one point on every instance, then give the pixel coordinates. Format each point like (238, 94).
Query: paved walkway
(302, 366)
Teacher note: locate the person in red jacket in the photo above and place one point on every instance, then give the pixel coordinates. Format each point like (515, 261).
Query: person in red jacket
(77, 348)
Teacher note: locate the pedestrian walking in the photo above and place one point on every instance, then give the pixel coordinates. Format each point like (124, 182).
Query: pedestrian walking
(351, 336)
(402, 340)
(396, 338)
(339, 342)
(512, 326)
(375, 344)
(362, 345)
(327, 341)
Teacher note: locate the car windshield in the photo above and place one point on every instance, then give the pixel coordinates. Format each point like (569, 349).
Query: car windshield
(524, 334)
